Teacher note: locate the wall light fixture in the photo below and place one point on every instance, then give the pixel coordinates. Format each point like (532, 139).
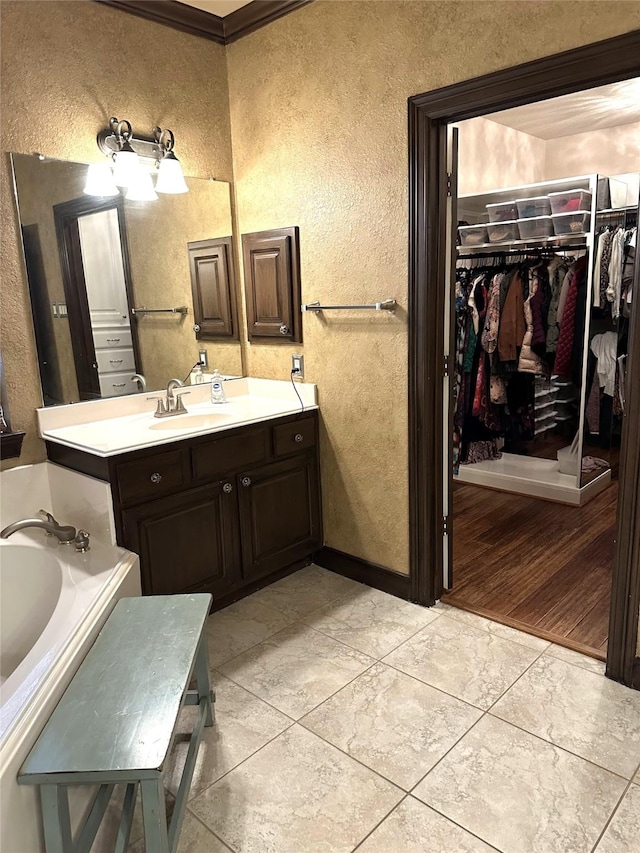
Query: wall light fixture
(133, 160)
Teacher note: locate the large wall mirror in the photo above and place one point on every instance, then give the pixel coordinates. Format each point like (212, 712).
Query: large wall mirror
(92, 263)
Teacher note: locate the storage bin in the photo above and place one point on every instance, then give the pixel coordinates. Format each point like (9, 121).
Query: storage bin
(570, 201)
(505, 211)
(538, 206)
(535, 227)
(503, 232)
(571, 223)
(473, 235)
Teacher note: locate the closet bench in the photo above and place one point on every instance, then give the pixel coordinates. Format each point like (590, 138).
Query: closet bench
(116, 722)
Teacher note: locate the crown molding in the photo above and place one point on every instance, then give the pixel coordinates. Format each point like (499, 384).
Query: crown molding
(196, 22)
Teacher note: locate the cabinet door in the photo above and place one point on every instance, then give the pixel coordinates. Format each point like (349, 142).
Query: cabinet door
(213, 288)
(279, 514)
(272, 285)
(187, 542)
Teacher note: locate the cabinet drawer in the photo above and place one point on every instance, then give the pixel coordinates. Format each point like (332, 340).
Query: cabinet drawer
(117, 384)
(213, 458)
(112, 360)
(152, 477)
(105, 339)
(294, 437)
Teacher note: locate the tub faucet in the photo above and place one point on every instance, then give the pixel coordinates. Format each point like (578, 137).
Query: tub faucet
(63, 532)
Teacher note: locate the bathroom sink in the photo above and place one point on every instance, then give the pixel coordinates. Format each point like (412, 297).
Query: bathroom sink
(191, 422)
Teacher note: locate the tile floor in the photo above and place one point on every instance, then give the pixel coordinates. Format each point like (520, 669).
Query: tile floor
(347, 719)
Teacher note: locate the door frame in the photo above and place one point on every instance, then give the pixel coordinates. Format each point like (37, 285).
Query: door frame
(66, 215)
(574, 70)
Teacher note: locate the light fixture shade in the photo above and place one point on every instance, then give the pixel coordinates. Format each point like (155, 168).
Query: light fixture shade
(141, 187)
(100, 180)
(170, 177)
(126, 167)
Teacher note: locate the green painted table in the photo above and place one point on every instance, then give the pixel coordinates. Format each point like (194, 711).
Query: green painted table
(116, 721)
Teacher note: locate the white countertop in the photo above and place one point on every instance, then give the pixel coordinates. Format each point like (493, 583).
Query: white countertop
(108, 427)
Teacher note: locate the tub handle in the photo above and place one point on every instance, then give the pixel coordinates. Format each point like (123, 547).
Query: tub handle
(82, 541)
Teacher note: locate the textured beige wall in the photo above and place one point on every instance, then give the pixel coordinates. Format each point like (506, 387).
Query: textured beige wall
(319, 126)
(491, 155)
(66, 67)
(161, 279)
(41, 185)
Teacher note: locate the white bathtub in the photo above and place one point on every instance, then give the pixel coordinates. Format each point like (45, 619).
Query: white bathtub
(53, 603)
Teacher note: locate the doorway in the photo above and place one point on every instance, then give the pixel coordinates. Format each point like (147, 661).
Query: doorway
(432, 257)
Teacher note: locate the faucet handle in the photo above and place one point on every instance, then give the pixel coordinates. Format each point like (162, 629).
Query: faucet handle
(46, 516)
(82, 541)
(161, 409)
(180, 407)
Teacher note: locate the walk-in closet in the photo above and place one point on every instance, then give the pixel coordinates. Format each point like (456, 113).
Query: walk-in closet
(547, 208)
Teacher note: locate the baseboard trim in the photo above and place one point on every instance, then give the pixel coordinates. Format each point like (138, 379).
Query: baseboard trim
(363, 571)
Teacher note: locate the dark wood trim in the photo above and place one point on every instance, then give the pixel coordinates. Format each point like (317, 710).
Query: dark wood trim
(206, 25)
(66, 215)
(574, 70)
(635, 678)
(176, 15)
(78, 460)
(364, 572)
(257, 14)
(11, 444)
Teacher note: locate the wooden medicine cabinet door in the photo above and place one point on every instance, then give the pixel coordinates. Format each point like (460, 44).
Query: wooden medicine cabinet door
(272, 285)
(213, 288)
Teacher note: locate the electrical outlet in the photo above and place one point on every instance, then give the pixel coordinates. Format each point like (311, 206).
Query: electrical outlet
(297, 365)
(203, 358)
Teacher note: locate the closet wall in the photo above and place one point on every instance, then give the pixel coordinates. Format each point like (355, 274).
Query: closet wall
(482, 164)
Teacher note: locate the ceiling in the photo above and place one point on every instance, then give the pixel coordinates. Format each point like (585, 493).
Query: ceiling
(216, 7)
(580, 112)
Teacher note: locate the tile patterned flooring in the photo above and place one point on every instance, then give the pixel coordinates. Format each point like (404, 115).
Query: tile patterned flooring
(347, 719)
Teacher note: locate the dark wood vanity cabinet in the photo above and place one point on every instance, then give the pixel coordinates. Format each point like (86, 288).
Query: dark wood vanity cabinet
(218, 512)
(189, 541)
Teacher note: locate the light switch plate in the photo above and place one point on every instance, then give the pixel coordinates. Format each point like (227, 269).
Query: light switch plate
(297, 364)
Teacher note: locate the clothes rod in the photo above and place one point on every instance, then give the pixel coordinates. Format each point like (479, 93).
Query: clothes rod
(540, 250)
(385, 305)
(181, 310)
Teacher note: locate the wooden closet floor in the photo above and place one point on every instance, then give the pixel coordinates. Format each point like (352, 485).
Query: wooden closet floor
(536, 563)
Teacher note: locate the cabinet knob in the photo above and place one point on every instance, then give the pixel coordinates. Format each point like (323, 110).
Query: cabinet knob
(196, 327)
(298, 437)
(227, 488)
(155, 478)
(246, 481)
(285, 330)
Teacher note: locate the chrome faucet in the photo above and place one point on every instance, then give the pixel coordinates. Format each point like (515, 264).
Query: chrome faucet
(173, 404)
(142, 382)
(64, 533)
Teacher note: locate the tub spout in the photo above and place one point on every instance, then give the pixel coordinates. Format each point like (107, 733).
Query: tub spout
(63, 532)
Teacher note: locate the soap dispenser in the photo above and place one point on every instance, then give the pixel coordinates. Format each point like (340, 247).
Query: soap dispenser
(217, 389)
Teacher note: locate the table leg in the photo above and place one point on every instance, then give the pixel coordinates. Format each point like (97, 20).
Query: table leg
(154, 816)
(55, 818)
(203, 679)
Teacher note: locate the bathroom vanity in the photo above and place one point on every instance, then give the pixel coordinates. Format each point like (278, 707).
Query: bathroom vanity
(218, 500)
